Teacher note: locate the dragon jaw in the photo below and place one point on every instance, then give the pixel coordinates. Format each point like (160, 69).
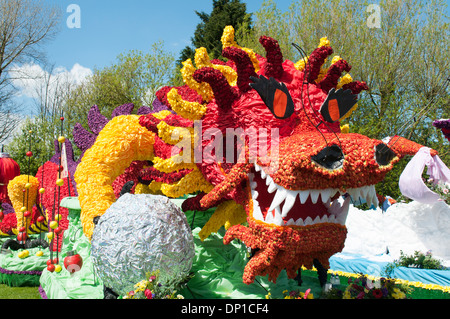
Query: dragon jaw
(290, 208)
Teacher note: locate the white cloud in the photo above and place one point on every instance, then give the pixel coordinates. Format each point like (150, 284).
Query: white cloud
(30, 78)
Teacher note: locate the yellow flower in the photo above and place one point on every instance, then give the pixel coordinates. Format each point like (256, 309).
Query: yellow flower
(345, 128)
(161, 115)
(324, 42)
(189, 110)
(398, 294)
(300, 65)
(169, 165)
(202, 60)
(347, 78)
(335, 59)
(191, 183)
(228, 41)
(16, 195)
(227, 214)
(122, 141)
(187, 73)
(174, 135)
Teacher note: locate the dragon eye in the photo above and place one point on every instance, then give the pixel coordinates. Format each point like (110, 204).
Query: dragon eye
(330, 157)
(275, 95)
(383, 154)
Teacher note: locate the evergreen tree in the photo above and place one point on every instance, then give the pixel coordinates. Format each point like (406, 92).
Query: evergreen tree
(210, 29)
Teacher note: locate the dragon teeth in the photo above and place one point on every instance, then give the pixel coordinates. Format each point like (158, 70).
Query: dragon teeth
(303, 196)
(289, 202)
(280, 196)
(367, 193)
(337, 210)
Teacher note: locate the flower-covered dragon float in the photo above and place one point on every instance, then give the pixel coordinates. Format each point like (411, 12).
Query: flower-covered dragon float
(287, 201)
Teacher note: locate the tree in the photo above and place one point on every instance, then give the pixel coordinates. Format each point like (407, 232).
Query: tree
(25, 27)
(209, 31)
(38, 134)
(133, 78)
(405, 61)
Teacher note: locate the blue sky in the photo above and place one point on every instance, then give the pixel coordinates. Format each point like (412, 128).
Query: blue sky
(109, 28)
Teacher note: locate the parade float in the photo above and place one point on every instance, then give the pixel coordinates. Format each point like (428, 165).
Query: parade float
(230, 186)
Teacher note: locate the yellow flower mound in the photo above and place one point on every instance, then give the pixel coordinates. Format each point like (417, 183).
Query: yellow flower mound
(204, 89)
(188, 110)
(345, 129)
(122, 141)
(173, 134)
(20, 199)
(228, 41)
(227, 214)
(169, 165)
(192, 182)
(153, 188)
(161, 115)
(202, 60)
(300, 65)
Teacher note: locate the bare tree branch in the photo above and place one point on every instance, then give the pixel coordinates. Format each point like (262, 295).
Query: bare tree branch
(25, 26)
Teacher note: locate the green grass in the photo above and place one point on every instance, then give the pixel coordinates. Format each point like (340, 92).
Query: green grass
(7, 292)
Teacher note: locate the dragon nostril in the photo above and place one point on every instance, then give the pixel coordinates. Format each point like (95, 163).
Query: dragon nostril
(383, 154)
(330, 157)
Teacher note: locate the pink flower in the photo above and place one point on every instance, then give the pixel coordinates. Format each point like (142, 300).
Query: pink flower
(445, 190)
(305, 296)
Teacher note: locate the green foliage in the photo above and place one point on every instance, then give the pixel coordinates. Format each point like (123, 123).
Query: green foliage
(40, 142)
(152, 288)
(133, 78)
(209, 31)
(417, 260)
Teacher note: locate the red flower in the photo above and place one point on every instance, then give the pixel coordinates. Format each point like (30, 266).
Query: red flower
(377, 293)
(148, 294)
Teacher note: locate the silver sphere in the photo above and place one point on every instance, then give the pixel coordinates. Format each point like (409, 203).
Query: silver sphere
(139, 234)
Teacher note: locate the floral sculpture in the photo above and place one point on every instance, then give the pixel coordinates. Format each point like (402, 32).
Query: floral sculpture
(290, 196)
(35, 199)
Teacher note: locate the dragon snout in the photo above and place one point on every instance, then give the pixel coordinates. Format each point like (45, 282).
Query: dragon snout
(331, 157)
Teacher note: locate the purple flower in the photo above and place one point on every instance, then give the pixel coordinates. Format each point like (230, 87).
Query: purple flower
(7, 208)
(84, 139)
(158, 106)
(443, 123)
(143, 110)
(96, 120)
(124, 109)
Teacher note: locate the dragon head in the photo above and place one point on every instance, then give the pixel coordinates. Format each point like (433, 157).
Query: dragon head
(291, 185)
(260, 139)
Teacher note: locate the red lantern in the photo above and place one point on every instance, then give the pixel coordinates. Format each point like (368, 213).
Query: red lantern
(22, 237)
(73, 262)
(8, 170)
